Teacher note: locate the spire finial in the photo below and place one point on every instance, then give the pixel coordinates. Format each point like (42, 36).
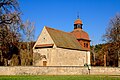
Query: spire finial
(77, 15)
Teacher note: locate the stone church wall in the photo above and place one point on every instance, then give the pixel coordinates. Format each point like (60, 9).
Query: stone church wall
(59, 57)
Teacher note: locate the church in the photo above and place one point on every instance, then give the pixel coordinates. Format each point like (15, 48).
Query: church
(58, 48)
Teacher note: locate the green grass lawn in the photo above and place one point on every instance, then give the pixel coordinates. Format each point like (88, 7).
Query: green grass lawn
(81, 77)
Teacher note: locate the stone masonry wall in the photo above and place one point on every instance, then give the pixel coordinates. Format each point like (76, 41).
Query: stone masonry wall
(105, 71)
(43, 70)
(76, 70)
(60, 57)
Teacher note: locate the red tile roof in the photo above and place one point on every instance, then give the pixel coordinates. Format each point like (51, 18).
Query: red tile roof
(63, 39)
(78, 21)
(80, 34)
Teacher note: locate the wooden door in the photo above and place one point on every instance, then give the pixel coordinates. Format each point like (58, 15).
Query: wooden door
(44, 63)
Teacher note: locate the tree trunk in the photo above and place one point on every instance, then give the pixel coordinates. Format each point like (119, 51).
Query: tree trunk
(118, 59)
(105, 60)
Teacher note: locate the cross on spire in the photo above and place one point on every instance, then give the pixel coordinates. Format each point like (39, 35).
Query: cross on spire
(78, 15)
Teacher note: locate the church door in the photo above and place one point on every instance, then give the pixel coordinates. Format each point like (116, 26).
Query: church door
(44, 63)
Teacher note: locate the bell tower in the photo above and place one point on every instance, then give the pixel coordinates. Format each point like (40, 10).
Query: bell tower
(81, 35)
(78, 23)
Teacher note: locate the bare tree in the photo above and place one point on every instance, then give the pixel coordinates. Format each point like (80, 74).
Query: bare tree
(112, 36)
(28, 30)
(10, 24)
(7, 7)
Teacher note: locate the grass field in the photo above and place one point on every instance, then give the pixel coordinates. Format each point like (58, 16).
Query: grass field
(81, 77)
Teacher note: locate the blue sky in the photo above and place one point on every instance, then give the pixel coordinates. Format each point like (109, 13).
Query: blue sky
(61, 14)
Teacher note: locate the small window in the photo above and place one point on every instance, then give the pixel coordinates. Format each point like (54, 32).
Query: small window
(86, 45)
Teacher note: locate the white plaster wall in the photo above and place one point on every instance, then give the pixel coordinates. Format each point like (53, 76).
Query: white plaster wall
(44, 38)
(88, 54)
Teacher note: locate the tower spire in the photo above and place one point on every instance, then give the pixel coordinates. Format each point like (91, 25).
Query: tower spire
(78, 22)
(78, 15)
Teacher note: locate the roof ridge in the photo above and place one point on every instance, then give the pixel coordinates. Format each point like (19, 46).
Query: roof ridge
(56, 29)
